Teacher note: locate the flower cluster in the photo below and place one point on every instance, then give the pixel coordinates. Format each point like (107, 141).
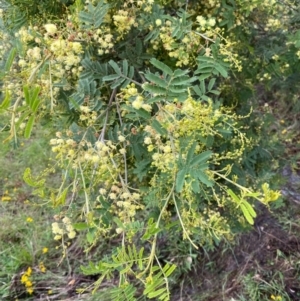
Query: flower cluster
(42, 267)
(123, 21)
(125, 203)
(206, 23)
(226, 50)
(132, 97)
(273, 24)
(5, 197)
(208, 221)
(182, 50)
(26, 280)
(87, 115)
(61, 229)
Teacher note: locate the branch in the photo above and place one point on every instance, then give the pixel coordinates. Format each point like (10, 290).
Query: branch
(101, 137)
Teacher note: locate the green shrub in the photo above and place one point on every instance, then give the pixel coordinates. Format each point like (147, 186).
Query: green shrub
(156, 138)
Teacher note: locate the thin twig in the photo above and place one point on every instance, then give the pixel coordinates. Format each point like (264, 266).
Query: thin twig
(153, 247)
(51, 90)
(101, 137)
(203, 36)
(124, 144)
(84, 188)
(182, 225)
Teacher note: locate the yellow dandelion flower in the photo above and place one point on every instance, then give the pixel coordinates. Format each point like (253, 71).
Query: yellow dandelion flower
(28, 283)
(29, 271)
(279, 298)
(45, 250)
(24, 278)
(29, 219)
(5, 198)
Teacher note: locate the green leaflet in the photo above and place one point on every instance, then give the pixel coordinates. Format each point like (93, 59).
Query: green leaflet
(142, 113)
(195, 186)
(140, 259)
(10, 59)
(201, 158)
(90, 236)
(158, 127)
(60, 199)
(249, 208)
(125, 67)
(161, 66)
(6, 101)
(156, 293)
(154, 89)
(27, 177)
(80, 226)
(26, 94)
(204, 76)
(246, 208)
(29, 126)
(247, 214)
(211, 84)
(202, 87)
(222, 70)
(202, 176)
(190, 153)
(180, 178)
(117, 83)
(115, 66)
(31, 97)
(233, 195)
(156, 80)
(182, 80)
(110, 77)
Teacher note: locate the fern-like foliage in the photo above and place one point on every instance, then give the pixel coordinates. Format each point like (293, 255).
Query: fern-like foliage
(169, 84)
(93, 17)
(22, 12)
(128, 260)
(122, 76)
(93, 70)
(157, 283)
(87, 91)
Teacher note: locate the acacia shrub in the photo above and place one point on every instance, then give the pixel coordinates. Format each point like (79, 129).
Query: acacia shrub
(153, 138)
